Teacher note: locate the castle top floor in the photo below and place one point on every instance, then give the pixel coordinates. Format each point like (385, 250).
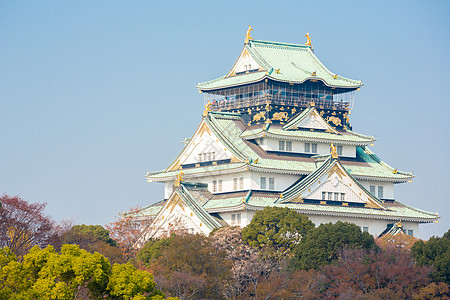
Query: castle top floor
(285, 76)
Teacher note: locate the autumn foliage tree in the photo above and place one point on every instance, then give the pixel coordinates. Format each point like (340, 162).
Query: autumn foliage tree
(126, 230)
(187, 266)
(24, 225)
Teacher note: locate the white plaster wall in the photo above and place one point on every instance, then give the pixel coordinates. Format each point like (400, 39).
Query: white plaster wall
(227, 181)
(244, 62)
(272, 144)
(282, 181)
(388, 188)
(180, 218)
(168, 188)
(376, 227)
(246, 217)
(205, 143)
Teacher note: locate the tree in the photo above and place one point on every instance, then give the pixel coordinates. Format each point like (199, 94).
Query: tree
(187, 266)
(127, 230)
(24, 225)
(93, 238)
(321, 245)
(435, 252)
(388, 274)
(278, 228)
(72, 274)
(87, 234)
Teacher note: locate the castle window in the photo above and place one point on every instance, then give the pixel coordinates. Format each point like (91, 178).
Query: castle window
(288, 146)
(271, 184)
(410, 232)
(281, 145)
(235, 183)
(342, 196)
(336, 196)
(330, 196)
(262, 183)
(214, 186)
(307, 147)
(241, 183)
(220, 185)
(313, 148)
(324, 195)
(365, 229)
(372, 190)
(339, 150)
(235, 219)
(380, 192)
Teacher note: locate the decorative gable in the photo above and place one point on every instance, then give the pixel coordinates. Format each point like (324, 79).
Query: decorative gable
(180, 213)
(330, 184)
(204, 146)
(309, 119)
(245, 63)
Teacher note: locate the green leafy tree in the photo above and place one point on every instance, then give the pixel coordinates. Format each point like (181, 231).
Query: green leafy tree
(278, 228)
(72, 274)
(93, 238)
(81, 234)
(321, 245)
(126, 282)
(435, 252)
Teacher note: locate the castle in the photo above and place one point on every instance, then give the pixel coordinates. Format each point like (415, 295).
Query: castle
(276, 132)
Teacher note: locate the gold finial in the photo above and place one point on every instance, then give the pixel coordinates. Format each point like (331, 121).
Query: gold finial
(207, 109)
(277, 71)
(179, 179)
(256, 161)
(247, 35)
(335, 76)
(333, 151)
(399, 224)
(308, 40)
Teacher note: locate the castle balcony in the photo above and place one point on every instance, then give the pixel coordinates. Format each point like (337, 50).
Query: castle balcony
(229, 103)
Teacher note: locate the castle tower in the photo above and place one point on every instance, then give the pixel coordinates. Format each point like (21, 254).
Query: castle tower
(276, 132)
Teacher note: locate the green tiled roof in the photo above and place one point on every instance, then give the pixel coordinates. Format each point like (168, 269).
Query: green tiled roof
(345, 136)
(296, 64)
(226, 128)
(396, 210)
(196, 207)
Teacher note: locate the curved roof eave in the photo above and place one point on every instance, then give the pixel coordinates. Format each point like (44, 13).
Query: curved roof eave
(311, 78)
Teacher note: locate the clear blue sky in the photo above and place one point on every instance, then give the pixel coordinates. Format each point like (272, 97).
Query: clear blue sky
(93, 94)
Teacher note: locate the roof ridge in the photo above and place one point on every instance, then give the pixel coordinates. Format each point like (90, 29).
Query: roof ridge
(302, 46)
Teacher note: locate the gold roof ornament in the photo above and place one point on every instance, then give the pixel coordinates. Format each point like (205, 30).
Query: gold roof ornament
(179, 179)
(247, 35)
(395, 171)
(308, 40)
(207, 109)
(333, 151)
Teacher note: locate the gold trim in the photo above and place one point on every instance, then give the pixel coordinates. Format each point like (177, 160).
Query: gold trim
(247, 35)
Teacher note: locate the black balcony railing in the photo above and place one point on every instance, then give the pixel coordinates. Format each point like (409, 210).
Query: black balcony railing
(226, 104)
